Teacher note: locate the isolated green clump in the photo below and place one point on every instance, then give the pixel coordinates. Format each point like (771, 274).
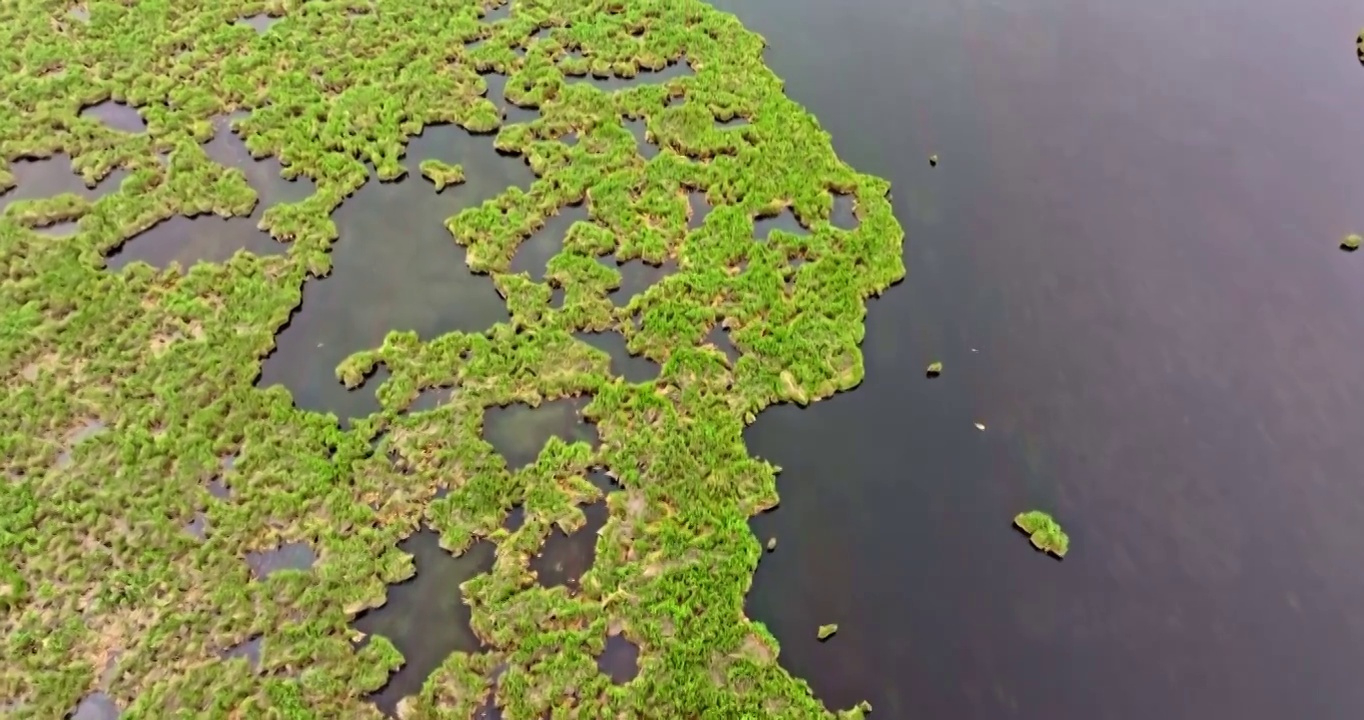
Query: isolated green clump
(1045, 533)
(442, 174)
(125, 393)
(934, 369)
(827, 631)
(1351, 242)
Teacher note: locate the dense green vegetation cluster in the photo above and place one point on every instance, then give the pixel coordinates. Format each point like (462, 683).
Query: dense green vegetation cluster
(1045, 532)
(124, 392)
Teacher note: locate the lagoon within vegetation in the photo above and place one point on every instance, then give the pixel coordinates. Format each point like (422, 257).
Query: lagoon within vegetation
(127, 391)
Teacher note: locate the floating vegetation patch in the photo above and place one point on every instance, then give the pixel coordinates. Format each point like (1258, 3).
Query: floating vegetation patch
(1045, 533)
(306, 364)
(1351, 242)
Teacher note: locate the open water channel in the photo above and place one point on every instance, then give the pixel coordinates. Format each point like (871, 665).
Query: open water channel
(1126, 261)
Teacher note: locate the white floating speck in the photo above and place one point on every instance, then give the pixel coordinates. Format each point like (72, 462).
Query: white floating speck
(980, 426)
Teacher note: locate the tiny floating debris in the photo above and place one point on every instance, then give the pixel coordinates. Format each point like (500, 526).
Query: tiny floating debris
(771, 544)
(932, 160)
(827, 631)
(1045, 533)
(934, 369)
(1351, 242)
(980, 426)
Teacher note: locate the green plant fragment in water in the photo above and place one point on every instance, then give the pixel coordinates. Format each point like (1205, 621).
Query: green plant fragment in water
(827, 631)
(1045, 533)
(442, 174)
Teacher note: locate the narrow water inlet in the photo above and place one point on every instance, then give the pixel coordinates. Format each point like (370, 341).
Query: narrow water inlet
(425, 617)
(633, 368)
(563, 559)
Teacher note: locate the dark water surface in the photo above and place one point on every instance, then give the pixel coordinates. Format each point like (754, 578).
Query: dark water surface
(1127, 262)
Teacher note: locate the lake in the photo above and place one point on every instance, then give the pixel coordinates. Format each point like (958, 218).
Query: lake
(1126, 260)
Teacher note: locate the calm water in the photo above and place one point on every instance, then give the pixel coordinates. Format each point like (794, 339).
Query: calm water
(1126, 261)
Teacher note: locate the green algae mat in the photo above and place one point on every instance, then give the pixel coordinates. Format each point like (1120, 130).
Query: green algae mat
(125, 392)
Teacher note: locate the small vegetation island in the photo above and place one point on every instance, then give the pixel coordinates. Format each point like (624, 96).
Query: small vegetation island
(127, 391)
(1045, 533)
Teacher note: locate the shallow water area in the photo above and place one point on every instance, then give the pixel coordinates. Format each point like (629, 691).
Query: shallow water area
(289, 556)
(52, 176)
(86, 431)
(96, 706)
(785, 221)
(534, 253)
(248, 650)
(718, 337)
(615, 83)
(208, 238)
(260, 23)
(512, 114)
(565, 557)
(425, 616)
(395, 267)
(620, 660)
(116, 115)
(637, 276)
(519, 432)
(639, 128)
(633, 368)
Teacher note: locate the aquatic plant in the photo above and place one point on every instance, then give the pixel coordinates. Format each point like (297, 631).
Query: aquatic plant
(1351, 242)
(934, 369)
(102, 588)
(827, 631)
(1045, 533)
(442, 174)
(771, 544)
(933, 160)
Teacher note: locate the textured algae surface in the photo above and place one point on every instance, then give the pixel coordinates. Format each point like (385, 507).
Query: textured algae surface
(130, 396)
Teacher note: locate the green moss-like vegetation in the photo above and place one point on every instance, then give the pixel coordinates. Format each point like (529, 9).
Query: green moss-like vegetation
(827, 631)
(934, 369)
(442, 174)
(100, 584)
(1045, 533)
(1351, 242)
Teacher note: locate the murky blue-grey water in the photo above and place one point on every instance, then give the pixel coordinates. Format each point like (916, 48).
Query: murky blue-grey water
(1127, 262)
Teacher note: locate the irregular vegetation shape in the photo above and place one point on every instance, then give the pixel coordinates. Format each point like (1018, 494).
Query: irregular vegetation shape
(1045, 533)
(93, 549)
